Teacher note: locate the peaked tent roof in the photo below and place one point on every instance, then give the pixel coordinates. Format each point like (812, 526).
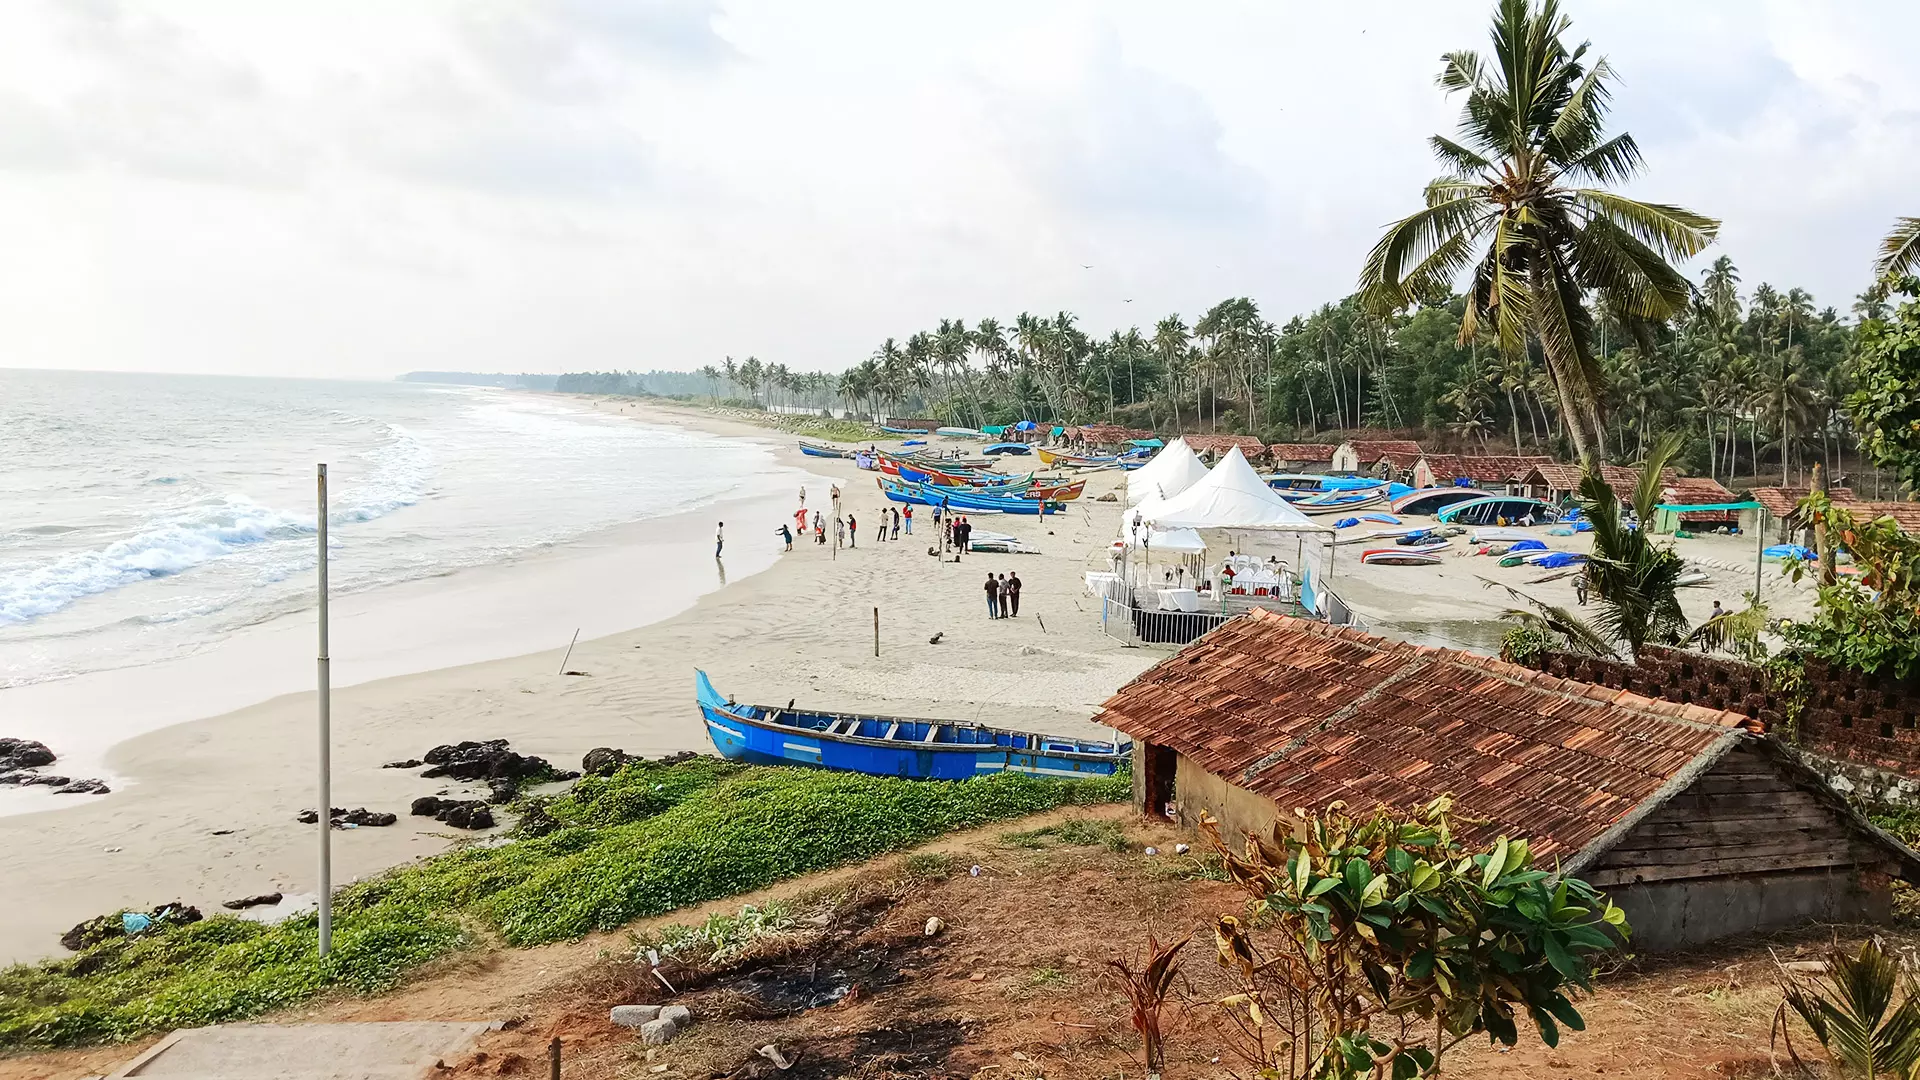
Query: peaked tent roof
(1170, 472)
(1230, 496)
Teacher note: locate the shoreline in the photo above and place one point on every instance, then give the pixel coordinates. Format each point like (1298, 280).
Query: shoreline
(211, 812)
(474, 614)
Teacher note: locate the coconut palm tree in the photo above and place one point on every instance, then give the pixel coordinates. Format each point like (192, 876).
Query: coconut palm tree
(1531, 132)
(1900, 250)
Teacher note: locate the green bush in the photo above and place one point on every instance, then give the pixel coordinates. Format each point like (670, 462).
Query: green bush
(647, 840)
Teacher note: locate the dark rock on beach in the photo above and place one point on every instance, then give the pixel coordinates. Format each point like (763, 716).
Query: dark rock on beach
(340, 817)
(459, 813)
(263, 900)
(17, 754)
(107, 927)
(503, 792)
(489, 760)
(604, 761)
(410, 763)
(42, 780)
(84, 787)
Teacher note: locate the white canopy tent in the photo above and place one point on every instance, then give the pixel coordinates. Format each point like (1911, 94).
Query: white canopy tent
(1230, 498)
(1173, 470)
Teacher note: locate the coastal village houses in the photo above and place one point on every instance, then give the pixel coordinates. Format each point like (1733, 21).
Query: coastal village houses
(1692, 819)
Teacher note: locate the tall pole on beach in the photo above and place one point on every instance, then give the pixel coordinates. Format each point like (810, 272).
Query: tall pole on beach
(326, 738)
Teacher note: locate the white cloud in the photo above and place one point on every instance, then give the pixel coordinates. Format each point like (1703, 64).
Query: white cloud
(359, 189)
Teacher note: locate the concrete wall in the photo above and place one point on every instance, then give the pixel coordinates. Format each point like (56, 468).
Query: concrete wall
(1678, 914)
(1238, 810)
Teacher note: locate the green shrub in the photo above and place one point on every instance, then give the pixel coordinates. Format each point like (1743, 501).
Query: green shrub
(646, 840)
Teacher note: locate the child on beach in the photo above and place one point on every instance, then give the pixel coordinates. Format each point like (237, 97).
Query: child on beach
(907, 516)
(786, 534)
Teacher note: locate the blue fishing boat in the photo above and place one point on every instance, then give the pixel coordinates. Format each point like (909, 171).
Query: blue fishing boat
(1015, 448)
(892, 745)
(905, 430)
(812, 449)
(1498, 510)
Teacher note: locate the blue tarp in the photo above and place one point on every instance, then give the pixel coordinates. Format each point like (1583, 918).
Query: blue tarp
(1348, 483)
(1025, 425)
(1559, 559)
(1151, 444)
(1528, 545)
(1789, 551)
(1346, 523)
(1384, 519)
(1394, 491)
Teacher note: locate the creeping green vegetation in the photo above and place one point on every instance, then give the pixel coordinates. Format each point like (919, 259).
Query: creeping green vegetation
(1077, 832)
(720, 936)
(647, 840)
(928, 866)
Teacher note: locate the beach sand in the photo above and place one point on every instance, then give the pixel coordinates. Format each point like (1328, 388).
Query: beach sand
(209, 814)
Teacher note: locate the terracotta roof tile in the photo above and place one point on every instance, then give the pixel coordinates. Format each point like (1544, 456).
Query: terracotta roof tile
(1305, 714)
(1399, 452)
(1483, 468)
(1301, 451)
(1253, 448)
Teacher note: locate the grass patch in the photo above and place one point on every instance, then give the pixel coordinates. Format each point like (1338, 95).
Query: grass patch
(928, 866)
(647, 840)
(721, 937)
(1208, 867)
(1077, 832)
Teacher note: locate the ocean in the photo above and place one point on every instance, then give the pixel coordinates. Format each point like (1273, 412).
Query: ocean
(147, 518)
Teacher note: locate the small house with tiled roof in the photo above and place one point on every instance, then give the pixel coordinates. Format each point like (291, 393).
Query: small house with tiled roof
(1690, 818)
(1782, 506)
(1505, 473)
(1301, 457)
(1557, 482)
(1369, 455)
(1215, 447)
(1694, 491)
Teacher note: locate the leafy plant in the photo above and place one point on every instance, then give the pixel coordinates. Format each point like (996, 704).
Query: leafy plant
(1147, 988)
(1872, 622)
(1850, 1010)
(1886, 371)
(1373, 945)
(1635, 579)
(720, 936)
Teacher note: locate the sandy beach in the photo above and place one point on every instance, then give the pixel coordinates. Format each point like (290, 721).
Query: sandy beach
(208, 809)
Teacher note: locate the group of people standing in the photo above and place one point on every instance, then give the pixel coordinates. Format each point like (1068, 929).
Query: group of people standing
(846, 530)
(1003, 596)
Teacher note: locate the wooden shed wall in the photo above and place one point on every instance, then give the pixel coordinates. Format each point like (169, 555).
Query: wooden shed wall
(1745, 848)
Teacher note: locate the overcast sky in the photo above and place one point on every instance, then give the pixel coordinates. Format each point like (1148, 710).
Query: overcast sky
(357, 188)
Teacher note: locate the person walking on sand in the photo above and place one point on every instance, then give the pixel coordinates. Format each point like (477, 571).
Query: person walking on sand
(1011, 595)
(853, 531)
(993, 598)
(881, 536)
(896, 523)
(839, 531)
(819, 529)
(786, 534)
(719, 539)
(803, 496)
(907, 516)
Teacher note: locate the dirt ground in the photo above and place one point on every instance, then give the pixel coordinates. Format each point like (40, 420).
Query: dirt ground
(1015, 987)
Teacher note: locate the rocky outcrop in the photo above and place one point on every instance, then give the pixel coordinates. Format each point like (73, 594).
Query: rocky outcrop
(459, 813)
(489, 760)
(605, 760)
(19, 760)
(17, 754)
(342, 818)
(127, 924)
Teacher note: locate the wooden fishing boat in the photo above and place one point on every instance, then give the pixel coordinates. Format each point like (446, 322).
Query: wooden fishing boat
(893, 745)
(814, 449)
(917, 495)
(1076, 461)
(1340, 502)
(1492, 509)
(1014, 448)
(1435, 499)
(905, 430)
(1400, 557)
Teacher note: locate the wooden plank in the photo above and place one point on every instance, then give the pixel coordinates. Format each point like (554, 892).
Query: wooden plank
(1721, 852)
(1732, 826)
(1727, 867)
(1732, 785)
(1701, 805)
(892, 730)
(1835, 834)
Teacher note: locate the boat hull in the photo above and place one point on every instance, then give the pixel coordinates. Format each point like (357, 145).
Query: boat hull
(764, 736)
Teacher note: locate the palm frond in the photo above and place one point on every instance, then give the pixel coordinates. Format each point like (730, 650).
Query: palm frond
(1612, 162)
(1581, 117)
(1577, 634)
(1647, 487)
(1459, 70)
(1414, 239)
(1900, 251)
(1674, 231)
(1462, 161)
(1609, 258)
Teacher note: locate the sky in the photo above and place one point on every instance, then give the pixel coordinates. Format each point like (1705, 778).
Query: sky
(357, 188)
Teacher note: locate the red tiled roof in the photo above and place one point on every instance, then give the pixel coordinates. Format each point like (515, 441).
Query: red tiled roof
(1484, 468)
(1694, 491)
(1219, 444)
(1306, 714)
(1399, 452)
(1301, 451)
(1107, 433)
(1562, 477)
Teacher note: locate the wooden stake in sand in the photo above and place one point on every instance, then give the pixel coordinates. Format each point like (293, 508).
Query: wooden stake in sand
(876, 631)
(553, 1058)
(570, 645)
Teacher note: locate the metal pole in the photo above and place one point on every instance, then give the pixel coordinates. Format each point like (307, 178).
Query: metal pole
(876, 631)
(1759, 550)
(326, 737)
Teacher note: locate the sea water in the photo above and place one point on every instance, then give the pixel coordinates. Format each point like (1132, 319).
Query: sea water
(146, 518)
